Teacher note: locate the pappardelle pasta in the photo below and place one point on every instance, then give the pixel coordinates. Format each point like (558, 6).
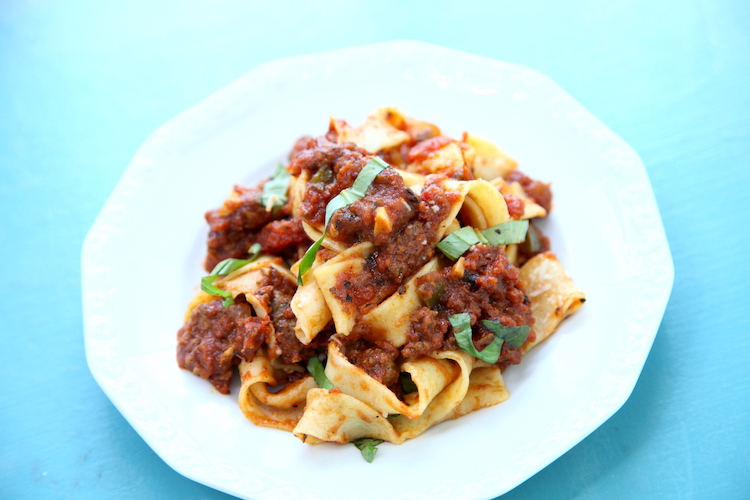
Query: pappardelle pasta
(376, 285)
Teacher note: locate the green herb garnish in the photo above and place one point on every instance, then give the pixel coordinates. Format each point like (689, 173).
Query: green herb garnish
(368, 447)
(407, 384)
(358, 189)
(274, 191)
(514, 335)
(223, 268)
(343, 199)
(324, 175)
(308, 259)
(207, 285)
(437, 293)
(316, 369)
(455, 244)
(507, 233)
(461, 324)
(533, 242)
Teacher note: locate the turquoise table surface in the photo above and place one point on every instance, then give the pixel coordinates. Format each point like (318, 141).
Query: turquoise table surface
(83, 84)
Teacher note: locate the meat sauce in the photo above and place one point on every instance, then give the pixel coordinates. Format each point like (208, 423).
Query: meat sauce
(536, 190)
(276, 293)
(488, 288)
(234, 227)
(403, 230)
(215, 339)
(402, 254)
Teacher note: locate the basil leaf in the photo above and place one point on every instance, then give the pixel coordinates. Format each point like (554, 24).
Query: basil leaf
(274, 191)
(223, 268)
(341, 200)
(228, 266)
(367, 446)
(436, 295)
(507, 233)
(458, 242)
(308, 259)
(407, 384)
(481, 237)
(254, 251)
(316, 369)
(461, 324)
(358, 189)
(533, 242)
(211, 289)
(324, 175)
(514, 335)
(455, 244)
(367, 175)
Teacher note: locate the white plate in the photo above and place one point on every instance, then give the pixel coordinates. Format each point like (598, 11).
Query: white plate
(141, 264)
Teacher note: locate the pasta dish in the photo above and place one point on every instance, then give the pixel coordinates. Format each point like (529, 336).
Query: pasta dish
(376, 285)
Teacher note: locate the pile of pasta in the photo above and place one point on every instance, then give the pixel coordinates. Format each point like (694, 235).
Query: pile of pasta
(327, 397)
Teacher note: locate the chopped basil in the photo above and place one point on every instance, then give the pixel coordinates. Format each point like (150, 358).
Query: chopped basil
(368, 447)
(513, 231)
(274, 191)
(343, 199)
(407, 384)
(462, 331)
(514, 335)
(228, 266)
(211, 289)
(308, 259)
(324, 175)
(315, 367)
(455, 244)
(223, 268)
(482, 238)
(436, 294)
(358, 189)
(532, 243)
(254, 251)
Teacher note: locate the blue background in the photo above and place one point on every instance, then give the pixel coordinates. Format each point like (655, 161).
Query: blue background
(83, 84)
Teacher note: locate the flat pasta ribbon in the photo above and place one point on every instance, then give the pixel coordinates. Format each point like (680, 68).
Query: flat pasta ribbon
(280, 409)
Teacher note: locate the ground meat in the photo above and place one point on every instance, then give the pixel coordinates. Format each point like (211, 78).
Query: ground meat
(378, 360)
(277, 291)
(278, 236)
(331, 168)
(303, 143)
(234, 226)
(488, 289)
(538, 191)
(211, 341)
(413, 247)
(426, 333)
(402, 255)
(399, 251)
(356, 223)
